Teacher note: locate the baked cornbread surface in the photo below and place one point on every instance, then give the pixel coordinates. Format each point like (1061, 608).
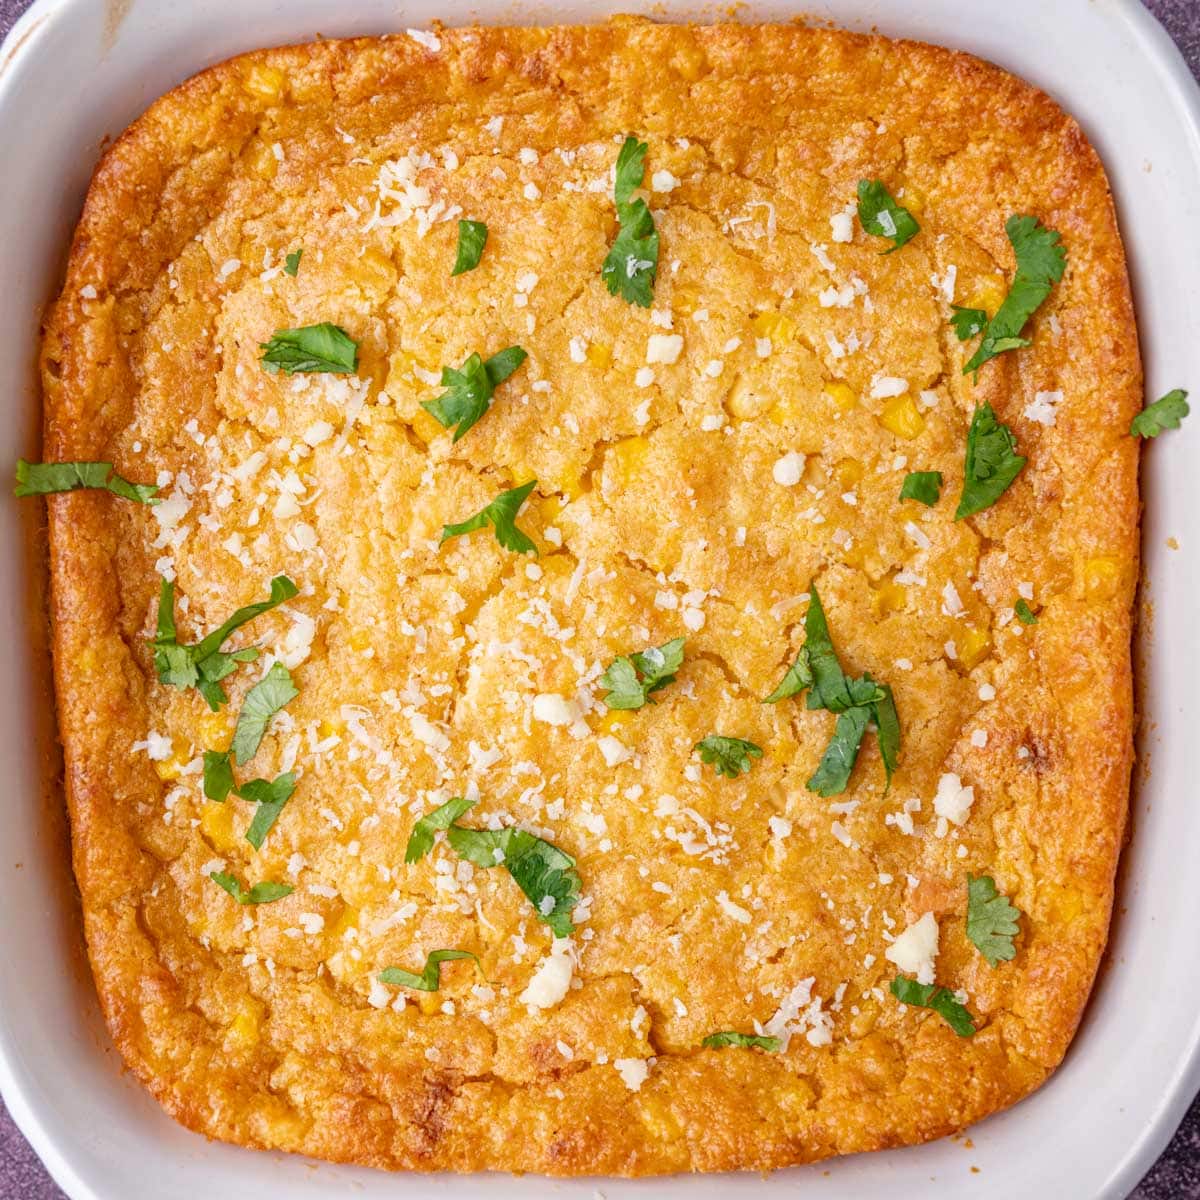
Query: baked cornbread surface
(708, 903)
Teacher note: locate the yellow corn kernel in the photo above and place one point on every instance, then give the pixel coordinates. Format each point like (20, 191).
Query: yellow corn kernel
(658, 1118)
(685, 300)
(974, 646)
(328, 728)
(890, 597)
(170, 768)
(265, 81)
(216, 823)
(780, 329)
(847, 473)
(244, 1028)
(549, 507)
(360, 640)
(913, 199)
(85, 660)
(788, 410)
(855, 555)
(625, 460)
(1066, 903)
(261, 159)
(599, 355)
(214, 728)
(347, 919)
(988, 293)
(901, 417)
(842, 394)
(689, 61)
(616, 720)
(426, 426)
(1101, 577)
(428, 1002)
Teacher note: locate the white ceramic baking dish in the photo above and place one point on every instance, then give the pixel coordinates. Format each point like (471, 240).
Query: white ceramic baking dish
(75, 71)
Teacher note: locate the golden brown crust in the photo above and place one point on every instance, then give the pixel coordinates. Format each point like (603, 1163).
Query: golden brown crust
(266, 1034)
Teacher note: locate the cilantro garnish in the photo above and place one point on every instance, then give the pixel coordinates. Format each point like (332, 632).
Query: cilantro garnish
(263, 701)
(543, 872)
(472, 237)
(631, 679)
(1165, 413)
(967, 322)
(631, 264)
(501, 515)
(882, 216)
(729, 1037)
(260, 893)
(1041, 260)
(992, 463)
(731, 756)
(471, 388)
(313, 348)
(857, 702)
(991, 920)
(270, 795)
(218, 774)
(1025, 614)
(940, 999)
(429, 980)
(925, 486)
(291, 264)
(420, 841)
(41, 479)
(204, 665)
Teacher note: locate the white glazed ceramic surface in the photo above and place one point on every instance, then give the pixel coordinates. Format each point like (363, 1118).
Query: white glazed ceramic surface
(74, 71)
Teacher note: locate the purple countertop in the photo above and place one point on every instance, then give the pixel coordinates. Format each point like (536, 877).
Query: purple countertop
(1176, 1175)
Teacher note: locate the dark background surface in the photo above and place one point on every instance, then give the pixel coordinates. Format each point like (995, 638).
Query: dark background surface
(1176, 1176)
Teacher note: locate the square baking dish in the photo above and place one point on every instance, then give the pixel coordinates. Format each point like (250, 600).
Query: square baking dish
(1099, 1122)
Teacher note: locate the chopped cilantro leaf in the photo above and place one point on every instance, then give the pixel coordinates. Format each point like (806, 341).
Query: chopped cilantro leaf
(856, 702)
(270, 795)
(501, 515)
(631, 679)
(833, 771)
(940, 999)
(291, 264)
(1025, 614)
(882, 216)
(795, 679)
(313, 348)
(729, 755)
(991, 920)
(420, 841)
(204, 665)
(1041, 261)
(925, 486)
(471, 388)
(472, 237)
(543, 872)
(992, 463)
(967, 322)
(218, 774)
(41, 479)
(1165, 413)
(631, 264)
(260, 893)
(729, 1037)
(263, 701)
(429, 980)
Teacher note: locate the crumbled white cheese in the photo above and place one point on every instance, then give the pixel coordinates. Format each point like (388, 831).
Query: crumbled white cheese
(614, 750)
(734, 911)
(643, 377)
(157, 746)
(883, 387)
(788, 469)
(916, 948)
(423, 37)
(664, 347)
(552, 980)
(1043, 409)
(953, 801)
(663, 181)
(553, 709)
(633, 1071)
(952, 605)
